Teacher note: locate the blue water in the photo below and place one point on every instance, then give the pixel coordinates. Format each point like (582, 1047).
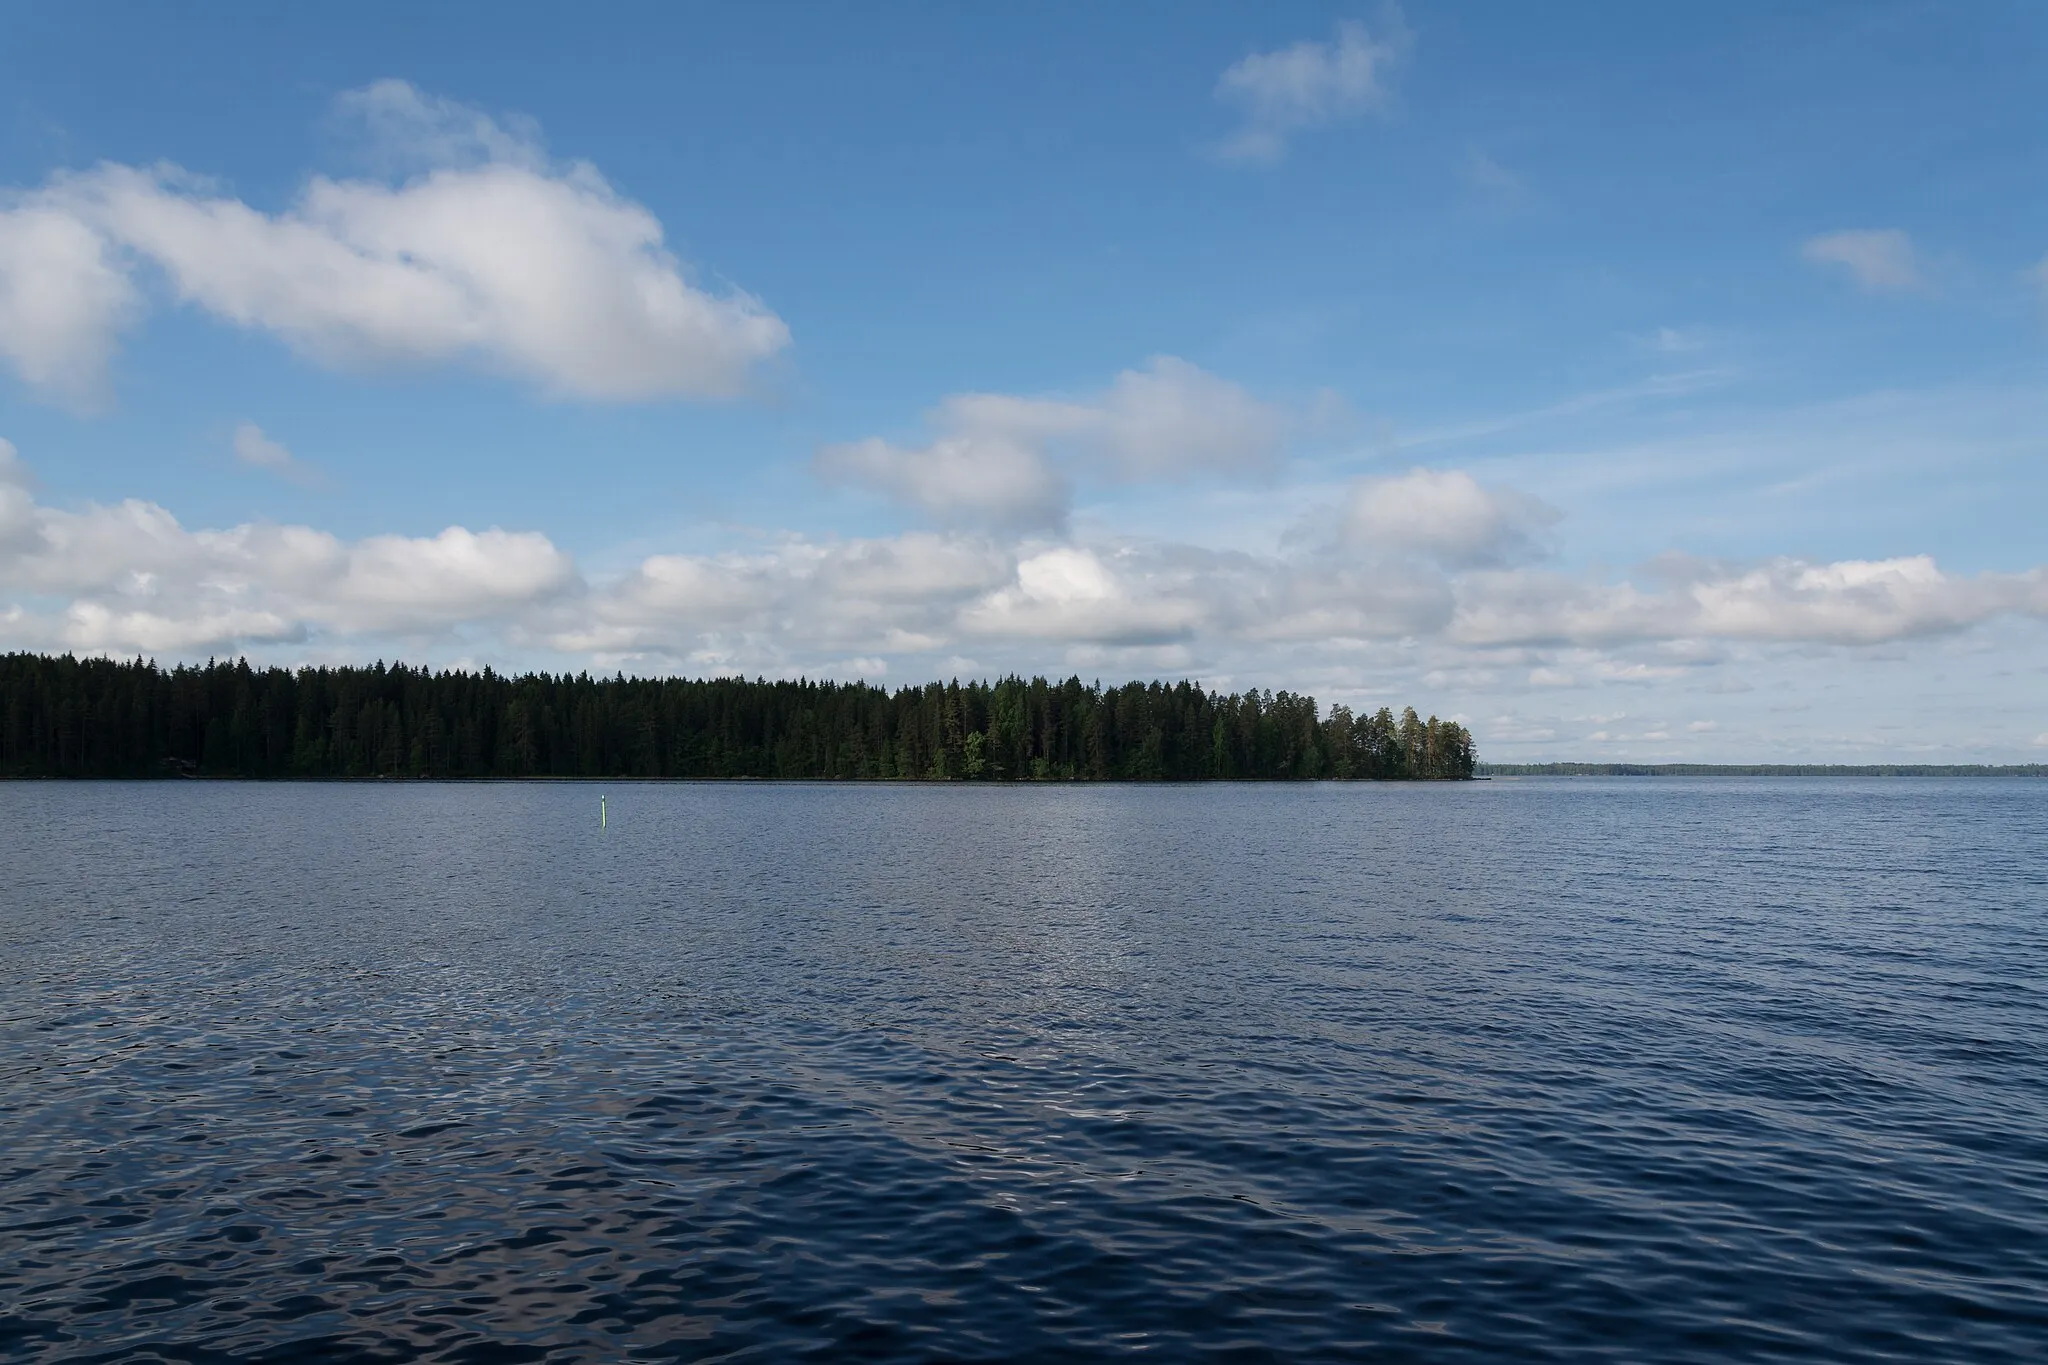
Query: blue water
(1566, 1070)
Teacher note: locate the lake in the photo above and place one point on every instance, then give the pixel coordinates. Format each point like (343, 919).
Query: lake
(1533, 1070)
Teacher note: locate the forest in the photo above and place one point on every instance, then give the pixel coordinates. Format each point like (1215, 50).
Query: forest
(62, 716)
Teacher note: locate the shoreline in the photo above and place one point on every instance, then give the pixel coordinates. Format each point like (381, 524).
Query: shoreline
(1760, 770)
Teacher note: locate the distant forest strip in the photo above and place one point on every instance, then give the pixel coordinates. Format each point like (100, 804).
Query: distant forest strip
(68, 717)
(1761, 770)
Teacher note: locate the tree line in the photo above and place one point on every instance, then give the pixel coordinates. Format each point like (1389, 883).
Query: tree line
(69, 717)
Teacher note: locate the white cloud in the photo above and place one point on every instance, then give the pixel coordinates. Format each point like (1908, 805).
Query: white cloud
(1849, 602)
(1070, 593)
(1881, 260)
(868, 597)
(1636, 671)
(17, 499)
(1448, 516)
(132, 567)
(1323, 598)
(1009, 461)
(979, 476)
(1174, 418)
(543, 273)
(129, 577)
(64, 298)
(409, 582)
(252, 447)
(403, 129)
(1150, 594)
(1309, 84)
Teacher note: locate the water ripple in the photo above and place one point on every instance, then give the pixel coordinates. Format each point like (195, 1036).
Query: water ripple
(1535, 1071)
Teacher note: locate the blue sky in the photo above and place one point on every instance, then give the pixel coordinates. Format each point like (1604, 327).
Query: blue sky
(1628, 382)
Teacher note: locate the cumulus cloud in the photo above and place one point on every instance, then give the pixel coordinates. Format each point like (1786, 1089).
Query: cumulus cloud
(17, 498)
(128, 577)
(1440, 595)
(500, 259)
(65, 295)
(887, 595)
(1073, 593)
(981, 476)
(1448, 516)
(935, 594)
(1309, 84)
(1009, 461)
(1880, 260)
(1323, 599)
(1849, 602)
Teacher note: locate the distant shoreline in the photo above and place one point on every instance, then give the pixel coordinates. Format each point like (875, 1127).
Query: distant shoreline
(1760, 770)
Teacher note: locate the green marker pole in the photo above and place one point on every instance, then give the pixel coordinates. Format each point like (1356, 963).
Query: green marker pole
(601, 818)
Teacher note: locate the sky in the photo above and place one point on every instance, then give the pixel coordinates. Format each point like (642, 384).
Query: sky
(1629, 383)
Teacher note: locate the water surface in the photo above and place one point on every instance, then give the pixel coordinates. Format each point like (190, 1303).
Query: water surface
(1535, 1070)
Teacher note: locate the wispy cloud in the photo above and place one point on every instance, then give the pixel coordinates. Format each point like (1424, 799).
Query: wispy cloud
(1675, 340)
(1880, 260)
(402, 130)
(1495, 181)
(1657, 386)
(255, 448)
(1310, 84)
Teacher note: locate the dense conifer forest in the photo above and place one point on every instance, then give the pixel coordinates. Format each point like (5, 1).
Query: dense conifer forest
(70, 717)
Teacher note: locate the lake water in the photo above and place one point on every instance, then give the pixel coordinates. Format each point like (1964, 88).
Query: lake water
(1564, 1070)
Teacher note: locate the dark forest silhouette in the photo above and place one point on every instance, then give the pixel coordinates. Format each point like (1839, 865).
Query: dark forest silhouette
(68, 717)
